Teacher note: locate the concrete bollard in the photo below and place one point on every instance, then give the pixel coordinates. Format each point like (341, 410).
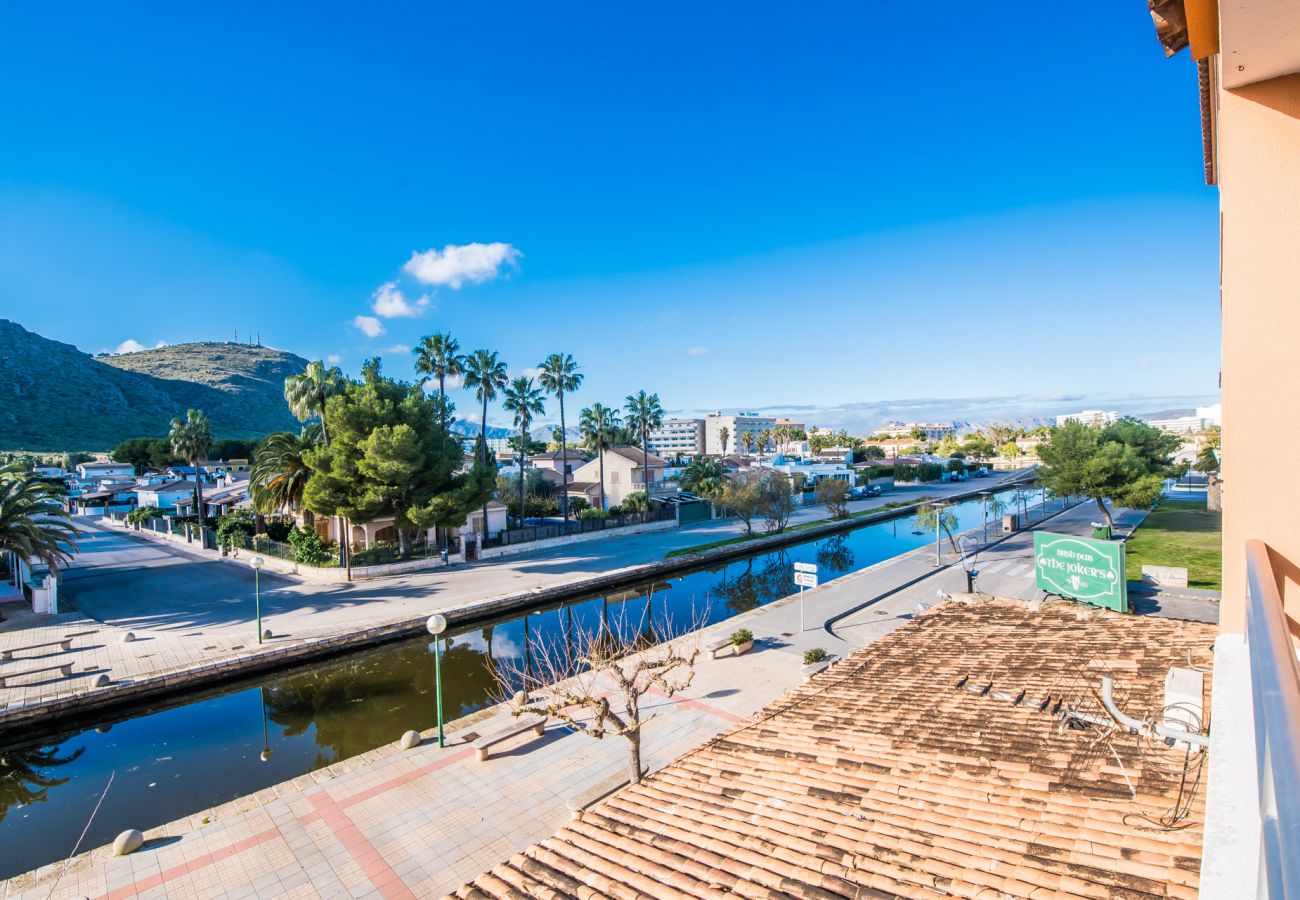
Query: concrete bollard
(410, 740)
(266, 635)
(102, 680)
(128, 637)
(128, 841)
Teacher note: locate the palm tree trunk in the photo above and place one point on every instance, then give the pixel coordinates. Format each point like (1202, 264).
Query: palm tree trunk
(564, 465)
(645, 466)
(483, 435)
(442, 399)
(521, 478)
(601, 451)
(198, 494)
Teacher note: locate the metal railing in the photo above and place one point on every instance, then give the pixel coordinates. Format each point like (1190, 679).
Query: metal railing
(1275, 692)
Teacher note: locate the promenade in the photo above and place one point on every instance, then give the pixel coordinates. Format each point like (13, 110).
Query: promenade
(393, 823)
(193, 616)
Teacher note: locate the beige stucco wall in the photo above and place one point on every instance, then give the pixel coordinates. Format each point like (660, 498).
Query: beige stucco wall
(1258, 152)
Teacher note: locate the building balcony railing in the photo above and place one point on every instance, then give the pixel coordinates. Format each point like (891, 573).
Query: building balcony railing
(664, 487)
(1275, 692)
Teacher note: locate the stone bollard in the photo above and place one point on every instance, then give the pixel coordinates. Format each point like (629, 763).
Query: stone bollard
(266, 635)
(128, 841)
(410, 740)
(102, 680)
(128, 637)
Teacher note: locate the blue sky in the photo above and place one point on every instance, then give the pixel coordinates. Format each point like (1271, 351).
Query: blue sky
(735, 205)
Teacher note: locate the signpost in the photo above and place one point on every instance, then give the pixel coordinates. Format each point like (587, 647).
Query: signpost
(1081, 569)
(805, 575)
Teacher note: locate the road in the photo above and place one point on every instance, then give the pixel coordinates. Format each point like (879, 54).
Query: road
(128, 581)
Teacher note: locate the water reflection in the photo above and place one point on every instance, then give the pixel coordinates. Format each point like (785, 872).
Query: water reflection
(25, 774)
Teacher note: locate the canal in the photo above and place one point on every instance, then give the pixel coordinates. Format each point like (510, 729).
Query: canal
(181, 757)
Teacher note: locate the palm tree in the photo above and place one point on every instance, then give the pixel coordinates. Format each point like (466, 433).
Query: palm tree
(525, 401)
(703, 477)
(599, 425)
(559, 373)
(34, 526)
(307, 392)
(723, 434)
(191, 440)
(438, 356)
(747, 440)
(486, 375)
(280, 471)
(764, 439)
(644, 415)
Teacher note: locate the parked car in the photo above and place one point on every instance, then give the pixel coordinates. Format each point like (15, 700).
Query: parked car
(862, 493)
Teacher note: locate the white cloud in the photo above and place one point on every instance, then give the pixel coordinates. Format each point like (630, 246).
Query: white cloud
(130, 345)
(389, 301)
(531, 373)
(455, 265)
(697, 351)
(397, 350)
(368, 325)
(333, 359)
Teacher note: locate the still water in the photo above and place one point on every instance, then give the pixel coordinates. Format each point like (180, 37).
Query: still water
(170, 761)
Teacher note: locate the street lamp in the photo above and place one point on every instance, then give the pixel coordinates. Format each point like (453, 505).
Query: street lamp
(257, 562)
(985, 495)
(437, 624)
(938, 518)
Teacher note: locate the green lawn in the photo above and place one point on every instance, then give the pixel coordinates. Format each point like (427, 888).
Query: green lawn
(1180, 533)
(740, 539)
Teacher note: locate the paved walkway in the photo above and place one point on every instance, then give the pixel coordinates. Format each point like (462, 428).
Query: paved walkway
(394, 823)
(189, 612)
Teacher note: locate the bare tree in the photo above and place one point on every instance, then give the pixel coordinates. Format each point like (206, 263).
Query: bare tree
(834, 494)
(593, 679)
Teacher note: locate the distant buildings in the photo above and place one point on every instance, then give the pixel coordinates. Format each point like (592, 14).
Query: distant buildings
(737, 425)
(1179, 424)
(1090, 417)
(932, 431)
(1213, 414)
(624, 475)
(678, 436)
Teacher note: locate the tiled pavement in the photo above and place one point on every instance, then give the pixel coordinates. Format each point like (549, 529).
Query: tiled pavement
(393, 823)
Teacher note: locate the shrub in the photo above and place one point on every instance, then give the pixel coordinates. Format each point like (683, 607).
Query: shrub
(577, 505)
(278, 529)
(815, 655)
(741, 636)
(308, 548)
(235, 528)
(377, 554)
(136, 516)
(592, 513)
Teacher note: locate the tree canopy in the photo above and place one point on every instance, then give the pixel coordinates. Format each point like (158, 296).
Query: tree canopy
(1126, 462)
(389, 455)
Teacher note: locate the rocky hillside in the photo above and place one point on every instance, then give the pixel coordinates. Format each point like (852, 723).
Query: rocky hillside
(55, 397)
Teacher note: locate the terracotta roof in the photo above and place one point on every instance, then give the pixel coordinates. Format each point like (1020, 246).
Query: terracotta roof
(634, 454)
(581, 487)
(882, 777)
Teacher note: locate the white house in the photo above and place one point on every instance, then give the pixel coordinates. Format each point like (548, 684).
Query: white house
(811, 471)
(96, 471)
(164, 496)
(624, 474)
(44, 470)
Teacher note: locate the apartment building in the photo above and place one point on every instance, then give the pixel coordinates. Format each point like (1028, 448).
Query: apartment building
(1098, 418)
(737, 426)
(931, 431)
(678, 436)
(1179, 424)
(1247, 57)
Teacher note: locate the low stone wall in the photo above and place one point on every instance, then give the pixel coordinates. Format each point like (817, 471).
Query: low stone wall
(548, 543)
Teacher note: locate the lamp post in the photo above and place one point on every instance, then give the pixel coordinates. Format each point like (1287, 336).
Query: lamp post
(257, 562)
(437, 624)
(985, 496)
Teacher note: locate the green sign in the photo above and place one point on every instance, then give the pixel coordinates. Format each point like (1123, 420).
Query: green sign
(1082, 569)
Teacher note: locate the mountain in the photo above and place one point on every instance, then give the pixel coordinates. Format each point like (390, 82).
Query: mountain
(55, 397)
(471, 427)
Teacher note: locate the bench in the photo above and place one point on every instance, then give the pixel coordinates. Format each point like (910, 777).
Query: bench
(65, 668)
(597, 792)
(713, 647)
(65, 643)
(810, 670)
(505, 733)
